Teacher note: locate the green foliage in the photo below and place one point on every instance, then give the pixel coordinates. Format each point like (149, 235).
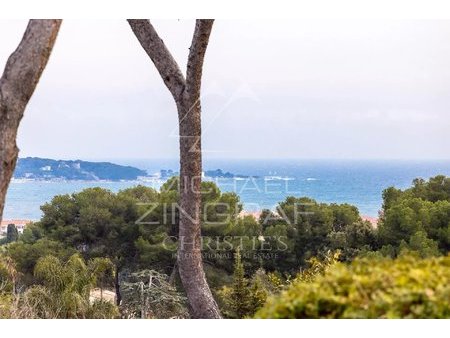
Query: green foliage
(94, 221)
(317, 267)
(129, 240)
(304, 228)
(6, 303)
(134, 229)
(417, 218)
(407, 287)
(435, 189)
(258, 295)
(64, 289)
(278, 248)
(32, 233)
(244, 297)
(8, 275)
(103, 272)
(240, 293)
(274, 283)
(102, 309)
(26, 255)
(8, 281)
(422, 245)
(99, 223)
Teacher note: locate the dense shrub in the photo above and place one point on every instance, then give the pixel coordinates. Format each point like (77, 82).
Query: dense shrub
(406, 287)
(417, 218)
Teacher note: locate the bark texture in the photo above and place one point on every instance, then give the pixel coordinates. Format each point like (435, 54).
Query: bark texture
(186, 93)
(20, 77)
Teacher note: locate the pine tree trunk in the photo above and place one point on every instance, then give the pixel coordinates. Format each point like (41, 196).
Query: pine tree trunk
(189, 253)
(8, 153)
(186, 93)
(20, 77)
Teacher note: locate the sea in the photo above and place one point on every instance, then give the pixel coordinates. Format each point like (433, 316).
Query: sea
(357, 182)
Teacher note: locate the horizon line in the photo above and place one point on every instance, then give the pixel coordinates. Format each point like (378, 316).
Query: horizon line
(91, 158)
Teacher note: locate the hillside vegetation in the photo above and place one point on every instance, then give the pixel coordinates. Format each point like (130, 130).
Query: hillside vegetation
(306, 259)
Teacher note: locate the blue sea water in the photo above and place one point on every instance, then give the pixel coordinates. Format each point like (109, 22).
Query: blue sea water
(358, 182)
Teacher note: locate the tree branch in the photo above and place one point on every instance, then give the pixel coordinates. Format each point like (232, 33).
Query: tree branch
(25, 66)
(159, 54)
(196, 57)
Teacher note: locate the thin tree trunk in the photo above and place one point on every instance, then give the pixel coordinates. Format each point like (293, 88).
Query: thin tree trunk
(189, 248)
(20, 77)
(173, 274)
(117, 287)
(186, 93)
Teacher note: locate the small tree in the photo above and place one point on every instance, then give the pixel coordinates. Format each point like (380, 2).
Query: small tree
(148, 294)
(12, 235)
(258, 295)
(240, 294)
(244, 297)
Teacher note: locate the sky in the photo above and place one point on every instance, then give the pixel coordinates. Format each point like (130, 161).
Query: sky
(304, 89)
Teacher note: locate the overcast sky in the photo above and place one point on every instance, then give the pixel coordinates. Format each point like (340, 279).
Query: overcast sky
(272, 89)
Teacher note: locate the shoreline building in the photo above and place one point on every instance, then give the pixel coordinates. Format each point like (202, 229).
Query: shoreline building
(19, 223)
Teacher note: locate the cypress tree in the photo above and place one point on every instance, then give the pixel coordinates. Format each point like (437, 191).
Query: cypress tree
(241, 293)
(12, 235)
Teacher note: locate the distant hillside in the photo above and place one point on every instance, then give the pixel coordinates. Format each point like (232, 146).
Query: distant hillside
(47, 169)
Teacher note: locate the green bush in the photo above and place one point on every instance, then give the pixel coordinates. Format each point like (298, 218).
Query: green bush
(406, 287)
